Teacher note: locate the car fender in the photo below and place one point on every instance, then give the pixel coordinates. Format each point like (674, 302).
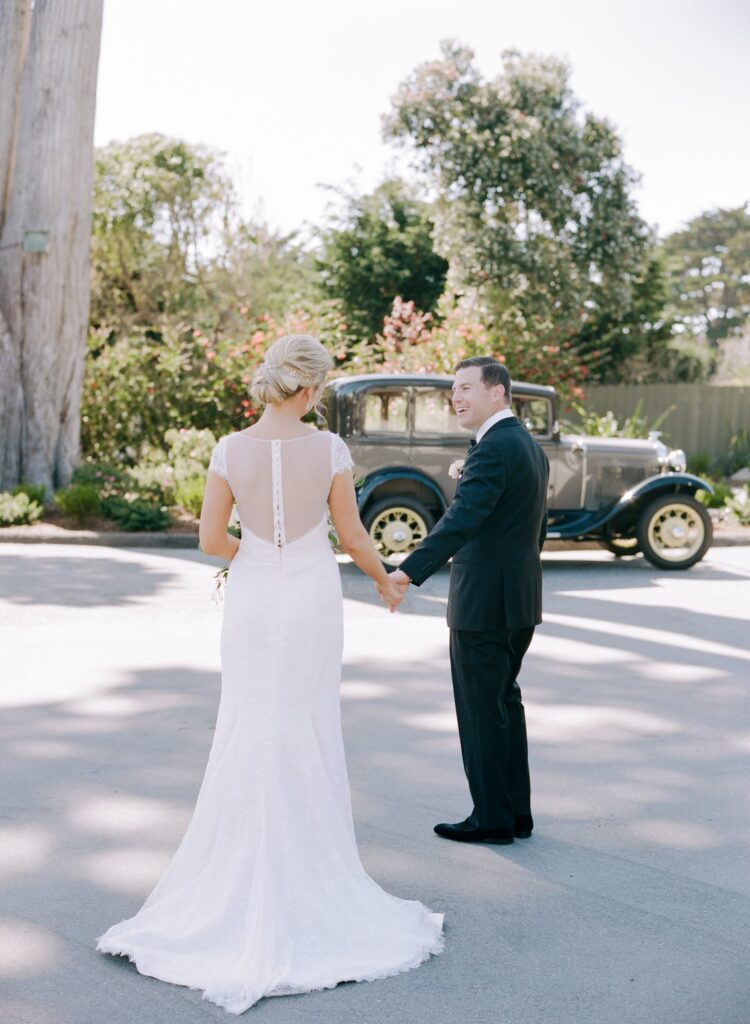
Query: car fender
(381, 476)
(651, 487)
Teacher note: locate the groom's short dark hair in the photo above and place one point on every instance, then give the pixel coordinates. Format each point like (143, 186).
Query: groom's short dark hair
(493, 372)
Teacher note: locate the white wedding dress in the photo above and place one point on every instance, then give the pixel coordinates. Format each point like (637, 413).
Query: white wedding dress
(266, 894)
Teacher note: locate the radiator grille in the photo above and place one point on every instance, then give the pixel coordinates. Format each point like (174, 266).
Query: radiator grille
(609, 482)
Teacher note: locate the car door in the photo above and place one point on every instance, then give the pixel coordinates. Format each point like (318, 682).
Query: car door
(536, 414)
(569, 469)
(437, 439)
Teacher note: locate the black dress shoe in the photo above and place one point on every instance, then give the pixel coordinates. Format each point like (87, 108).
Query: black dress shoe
(524, 826)
(462, 832)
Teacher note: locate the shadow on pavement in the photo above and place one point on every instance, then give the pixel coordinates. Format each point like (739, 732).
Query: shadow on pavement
(630, 902)
(84, 582)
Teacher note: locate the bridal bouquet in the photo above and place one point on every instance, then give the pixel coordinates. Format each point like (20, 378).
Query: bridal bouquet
(220, 576)
(220, 579)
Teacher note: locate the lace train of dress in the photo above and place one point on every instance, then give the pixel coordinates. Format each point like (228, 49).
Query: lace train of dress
(266, 894)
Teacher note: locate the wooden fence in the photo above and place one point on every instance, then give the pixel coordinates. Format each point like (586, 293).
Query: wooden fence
(706, 416)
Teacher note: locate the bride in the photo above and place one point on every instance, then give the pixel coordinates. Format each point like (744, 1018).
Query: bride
(266, 894)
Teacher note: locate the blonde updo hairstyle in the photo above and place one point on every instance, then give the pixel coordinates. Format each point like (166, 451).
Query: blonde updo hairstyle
(293, 362)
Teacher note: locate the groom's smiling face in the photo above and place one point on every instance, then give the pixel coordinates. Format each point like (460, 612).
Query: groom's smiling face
(473, 401)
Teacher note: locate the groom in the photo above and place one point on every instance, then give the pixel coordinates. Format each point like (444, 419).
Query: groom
(494, 531)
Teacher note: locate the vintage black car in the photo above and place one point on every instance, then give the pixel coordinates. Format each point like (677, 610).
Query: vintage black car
(629, 495)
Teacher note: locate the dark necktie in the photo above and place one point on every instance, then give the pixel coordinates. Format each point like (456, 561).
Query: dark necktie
(472, 443)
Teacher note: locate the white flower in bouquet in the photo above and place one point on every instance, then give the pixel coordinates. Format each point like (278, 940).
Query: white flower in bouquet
(456, 469)
(220, 581)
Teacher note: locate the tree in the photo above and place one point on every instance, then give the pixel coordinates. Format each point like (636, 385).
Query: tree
(263, 272)
(382, 248)
(49, 54)
(169, 245)
(535, 209)
(708, 266)
(161, 211)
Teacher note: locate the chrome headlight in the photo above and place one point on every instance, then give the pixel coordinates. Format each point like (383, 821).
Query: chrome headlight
(677, 460)
(662, 454)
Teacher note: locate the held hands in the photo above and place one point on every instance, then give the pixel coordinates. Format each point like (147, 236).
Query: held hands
(393, 590)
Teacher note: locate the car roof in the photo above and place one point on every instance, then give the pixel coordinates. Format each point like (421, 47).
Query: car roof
(340, 383)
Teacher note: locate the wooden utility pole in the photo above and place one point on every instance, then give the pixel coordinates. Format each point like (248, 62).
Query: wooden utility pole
(49, 54)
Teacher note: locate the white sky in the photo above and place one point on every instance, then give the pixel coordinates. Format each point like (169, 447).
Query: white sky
(293, 92)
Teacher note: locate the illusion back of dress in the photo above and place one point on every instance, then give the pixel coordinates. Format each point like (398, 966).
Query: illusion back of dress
(281, 487)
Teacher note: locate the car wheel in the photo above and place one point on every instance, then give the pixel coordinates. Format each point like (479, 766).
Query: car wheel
(674, 531)
(620, 546)
(396, 526)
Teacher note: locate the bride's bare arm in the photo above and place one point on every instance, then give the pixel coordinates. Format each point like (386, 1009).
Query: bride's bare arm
(354, 538)
(215, 513)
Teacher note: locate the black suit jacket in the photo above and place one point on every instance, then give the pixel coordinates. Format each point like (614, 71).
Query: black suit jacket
(494, 530)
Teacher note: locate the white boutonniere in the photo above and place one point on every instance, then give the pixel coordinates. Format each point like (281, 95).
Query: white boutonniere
(456, 469)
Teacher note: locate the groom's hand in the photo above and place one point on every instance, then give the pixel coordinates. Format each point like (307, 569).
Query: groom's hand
(392, 592)
(400, 578)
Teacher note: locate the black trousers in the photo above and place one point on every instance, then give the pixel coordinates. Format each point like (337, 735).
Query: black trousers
(491, 722)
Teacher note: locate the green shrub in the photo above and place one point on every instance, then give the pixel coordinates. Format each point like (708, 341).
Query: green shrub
(138, 387)
(189, 494)
(153, 480)
(188, 445)
(105, 477)
(718, 499)
(699, 463)
(738, 455)
(162, 472)
(607, 425)
(18, 509)
(79, 501)
(135, 514)
(738, 503)
(35, 492)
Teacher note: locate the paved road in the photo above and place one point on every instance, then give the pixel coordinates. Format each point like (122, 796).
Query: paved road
(630, 905)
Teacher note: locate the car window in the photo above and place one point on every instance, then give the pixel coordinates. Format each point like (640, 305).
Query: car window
(433, 412)
(534, 413)
(386, 412)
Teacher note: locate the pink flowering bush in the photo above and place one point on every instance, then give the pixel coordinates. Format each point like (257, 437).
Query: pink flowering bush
(417, 342)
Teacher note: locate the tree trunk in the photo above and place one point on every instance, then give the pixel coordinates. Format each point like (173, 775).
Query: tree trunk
(49, 53)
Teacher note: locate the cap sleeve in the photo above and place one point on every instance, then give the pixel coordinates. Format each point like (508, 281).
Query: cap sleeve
(218, 462)
(341, 458)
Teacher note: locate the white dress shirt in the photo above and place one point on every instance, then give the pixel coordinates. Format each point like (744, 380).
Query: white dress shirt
(495, 418)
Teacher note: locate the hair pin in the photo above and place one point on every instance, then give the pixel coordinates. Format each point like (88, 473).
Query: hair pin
(265, 365)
